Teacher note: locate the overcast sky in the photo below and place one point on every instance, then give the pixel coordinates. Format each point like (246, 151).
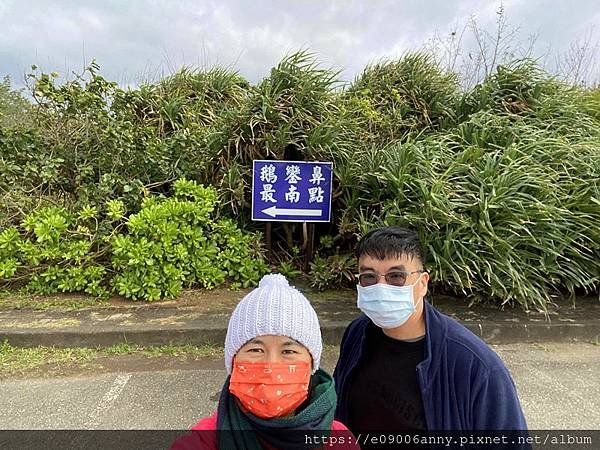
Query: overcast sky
(133, 40)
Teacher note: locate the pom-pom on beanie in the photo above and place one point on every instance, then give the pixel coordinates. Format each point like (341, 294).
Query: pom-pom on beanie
(274, 308)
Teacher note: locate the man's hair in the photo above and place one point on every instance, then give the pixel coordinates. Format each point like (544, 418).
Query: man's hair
(391, 242)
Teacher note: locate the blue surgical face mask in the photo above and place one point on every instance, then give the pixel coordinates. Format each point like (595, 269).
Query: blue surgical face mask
(386, 305)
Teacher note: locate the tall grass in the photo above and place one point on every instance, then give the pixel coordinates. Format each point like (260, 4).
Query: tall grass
(507, 199)
(501, 181)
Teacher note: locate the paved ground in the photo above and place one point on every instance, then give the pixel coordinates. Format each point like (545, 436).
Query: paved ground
(558, 384)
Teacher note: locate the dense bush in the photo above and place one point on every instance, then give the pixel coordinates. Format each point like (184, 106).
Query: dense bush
(502, 181)
(170, 243)
(176, 242)
(14, 108)
(517, 223)
(507, 200)
(55, 250)
(293, 114)
(395, 98)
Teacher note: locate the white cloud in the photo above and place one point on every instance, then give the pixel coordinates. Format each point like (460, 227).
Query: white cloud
(138, 39)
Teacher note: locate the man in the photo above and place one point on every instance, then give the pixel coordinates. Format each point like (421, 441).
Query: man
(406, 366)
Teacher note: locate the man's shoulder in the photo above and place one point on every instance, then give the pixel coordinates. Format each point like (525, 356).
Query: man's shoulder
(463, 344)
(354, 333)
(358, 325)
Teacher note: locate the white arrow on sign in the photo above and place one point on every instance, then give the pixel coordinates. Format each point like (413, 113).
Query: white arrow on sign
(274, 211)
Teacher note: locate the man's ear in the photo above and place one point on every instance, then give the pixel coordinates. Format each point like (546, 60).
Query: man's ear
(424, 282)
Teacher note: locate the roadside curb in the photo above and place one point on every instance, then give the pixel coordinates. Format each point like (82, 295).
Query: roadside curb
(203, 319)
(490, 332)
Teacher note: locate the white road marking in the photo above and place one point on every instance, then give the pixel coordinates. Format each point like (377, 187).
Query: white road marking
(108, 399)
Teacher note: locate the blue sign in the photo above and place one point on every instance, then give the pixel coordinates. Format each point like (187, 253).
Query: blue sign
(291, 191)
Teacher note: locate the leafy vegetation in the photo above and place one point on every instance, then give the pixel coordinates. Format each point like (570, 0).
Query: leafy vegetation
(146, 190)
(168, 243)
(174, 242)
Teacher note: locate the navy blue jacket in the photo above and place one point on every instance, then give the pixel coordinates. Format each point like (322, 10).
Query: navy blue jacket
(464, 384)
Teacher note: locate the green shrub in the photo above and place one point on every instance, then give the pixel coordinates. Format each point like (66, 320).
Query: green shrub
(518, 223)
(15, 110)
(289, 270)
(170, 243)
(332, 271)
(176, 242)
(54, 250)
(291, 114)
(394, 98)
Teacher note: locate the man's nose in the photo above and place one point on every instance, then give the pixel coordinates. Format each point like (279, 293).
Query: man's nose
(381, 279)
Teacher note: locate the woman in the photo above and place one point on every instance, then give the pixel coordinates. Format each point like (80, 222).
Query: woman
(275, 396)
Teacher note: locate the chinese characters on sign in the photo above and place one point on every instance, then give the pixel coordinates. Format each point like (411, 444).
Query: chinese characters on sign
(291, 191)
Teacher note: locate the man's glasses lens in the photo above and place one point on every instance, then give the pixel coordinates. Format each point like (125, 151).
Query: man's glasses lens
(367, 279)
(395, 278)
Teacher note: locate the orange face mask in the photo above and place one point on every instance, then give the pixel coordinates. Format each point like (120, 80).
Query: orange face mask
(270, 390)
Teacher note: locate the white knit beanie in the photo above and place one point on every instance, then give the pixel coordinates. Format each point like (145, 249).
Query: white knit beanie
(274, 308)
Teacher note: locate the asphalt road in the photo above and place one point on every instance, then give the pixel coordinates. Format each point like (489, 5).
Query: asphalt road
(559, 386)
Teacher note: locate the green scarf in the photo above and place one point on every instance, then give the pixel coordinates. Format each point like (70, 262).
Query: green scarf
(241, 430)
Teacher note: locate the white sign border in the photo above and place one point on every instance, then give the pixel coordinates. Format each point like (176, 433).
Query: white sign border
(274, 219)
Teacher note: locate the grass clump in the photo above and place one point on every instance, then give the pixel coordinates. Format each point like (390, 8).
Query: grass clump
(18, 360)
(508, 200)
(15, 359)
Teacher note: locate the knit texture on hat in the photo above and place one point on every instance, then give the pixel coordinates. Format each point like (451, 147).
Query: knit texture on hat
(274, 308)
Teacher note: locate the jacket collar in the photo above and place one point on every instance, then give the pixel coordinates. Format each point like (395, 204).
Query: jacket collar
(436, 331)
(435, 338)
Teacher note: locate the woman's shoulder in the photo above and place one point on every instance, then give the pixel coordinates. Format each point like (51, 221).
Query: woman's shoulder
(210, 423)
(207, 423)
(198, 438)
(338, 426)
(342, 439)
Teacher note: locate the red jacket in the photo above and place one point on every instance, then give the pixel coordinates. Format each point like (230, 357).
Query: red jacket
(206, 437)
